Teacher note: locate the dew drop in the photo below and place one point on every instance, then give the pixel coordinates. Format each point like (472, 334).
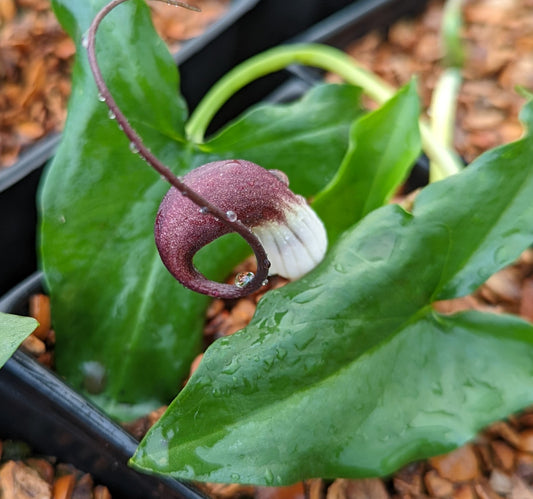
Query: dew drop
(231, 215)
(235, 477)
(203, 210)
(85, 41)
(111, 115)
(133, 148)
(242, 279)
(62, 219)
(269, 477)
(265, 282)
(101, 98)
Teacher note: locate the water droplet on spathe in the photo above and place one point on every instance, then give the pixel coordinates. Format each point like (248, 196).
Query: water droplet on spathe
(242, 279)
(133, 148)
(231, 215)
(85, 41)
(203, 210)
(265, 282)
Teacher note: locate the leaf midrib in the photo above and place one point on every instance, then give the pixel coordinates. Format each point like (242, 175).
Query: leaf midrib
(190, 445)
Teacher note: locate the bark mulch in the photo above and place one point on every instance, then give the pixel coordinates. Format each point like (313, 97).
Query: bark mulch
(25, 476)
(36, 58)
(498, 36)
(498, 42)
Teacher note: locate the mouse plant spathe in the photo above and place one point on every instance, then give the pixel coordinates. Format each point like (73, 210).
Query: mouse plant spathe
(293, 236)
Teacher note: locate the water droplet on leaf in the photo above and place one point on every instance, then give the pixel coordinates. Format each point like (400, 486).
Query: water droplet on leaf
(269, 477)
(242, 279)
(85, 41)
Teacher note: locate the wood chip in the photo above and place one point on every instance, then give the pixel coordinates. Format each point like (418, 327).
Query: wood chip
(409, 479)
(526, 440)
(436, 485)
(101, 492)
(43, 467)
(520, 490)
(40, 311)
(34, 346)
(504, 456)
(370, 488)
(295, 491)
(63, 487)
(83, 489)
(464, 491)
(19, 481)
(501, 482)
(506, 432)
(460, 465)
(526, 304)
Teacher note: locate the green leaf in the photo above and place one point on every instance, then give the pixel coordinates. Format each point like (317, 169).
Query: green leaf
(113, 301)
(13, 331)
(378, 160)
(116, 309)
(306, 139)
(349, 371)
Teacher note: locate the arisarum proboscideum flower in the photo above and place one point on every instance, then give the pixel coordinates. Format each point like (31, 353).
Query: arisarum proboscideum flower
(284, 233)
(292, 235)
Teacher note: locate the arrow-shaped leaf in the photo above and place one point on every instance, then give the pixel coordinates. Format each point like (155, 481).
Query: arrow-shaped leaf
(378, 160)
(349, 372)
(118, 314)
(13, 330)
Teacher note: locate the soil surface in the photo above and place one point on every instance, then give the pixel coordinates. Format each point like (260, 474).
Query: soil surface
(36, 58)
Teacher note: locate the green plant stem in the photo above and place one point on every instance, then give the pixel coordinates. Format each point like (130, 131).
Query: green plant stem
(320, 56)
(443, 109)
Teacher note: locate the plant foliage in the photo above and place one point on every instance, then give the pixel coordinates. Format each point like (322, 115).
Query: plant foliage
(350, 371)
(13, 331)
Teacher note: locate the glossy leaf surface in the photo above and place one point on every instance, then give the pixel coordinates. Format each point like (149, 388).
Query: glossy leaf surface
(14, 330)
(350, 372)
(379, 157)
(303, 139)
(115, 307)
